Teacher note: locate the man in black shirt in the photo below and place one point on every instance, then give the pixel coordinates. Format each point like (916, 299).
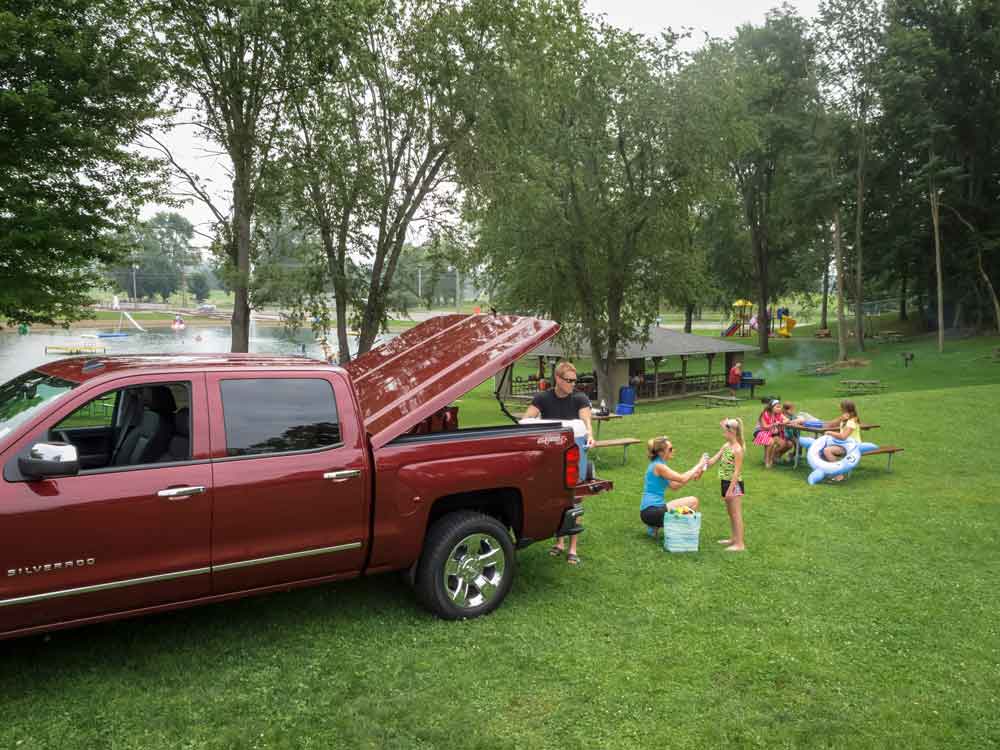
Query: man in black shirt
(564, 402)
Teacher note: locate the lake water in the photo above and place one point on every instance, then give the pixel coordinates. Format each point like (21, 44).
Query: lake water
(20, 353)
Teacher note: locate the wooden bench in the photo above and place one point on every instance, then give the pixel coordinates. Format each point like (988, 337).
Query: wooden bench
(710, 400)
(890, 450)
(624, 443)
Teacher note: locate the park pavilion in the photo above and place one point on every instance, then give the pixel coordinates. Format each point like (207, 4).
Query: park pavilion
(661, 368)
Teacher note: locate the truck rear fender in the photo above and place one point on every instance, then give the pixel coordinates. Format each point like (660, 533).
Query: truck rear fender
(503, 503)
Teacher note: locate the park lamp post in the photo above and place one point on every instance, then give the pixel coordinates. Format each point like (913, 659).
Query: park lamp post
(135, 296)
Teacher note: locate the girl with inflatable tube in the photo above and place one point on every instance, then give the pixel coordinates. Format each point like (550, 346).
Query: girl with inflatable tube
(837, 452)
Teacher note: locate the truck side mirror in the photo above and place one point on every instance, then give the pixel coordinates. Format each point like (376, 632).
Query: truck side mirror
(49, 460)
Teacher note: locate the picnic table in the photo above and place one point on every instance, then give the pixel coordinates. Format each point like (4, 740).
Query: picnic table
(710, 400)
(817, 431)
(817, 368)
(892, 336)
(861, 387)
(601, 418)
(622, 443)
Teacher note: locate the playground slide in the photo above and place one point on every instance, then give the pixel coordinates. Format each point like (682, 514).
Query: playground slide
(786, 328)
(731, 330)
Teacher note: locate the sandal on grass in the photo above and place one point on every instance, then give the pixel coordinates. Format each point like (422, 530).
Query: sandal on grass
(573, 559)
(555, 551)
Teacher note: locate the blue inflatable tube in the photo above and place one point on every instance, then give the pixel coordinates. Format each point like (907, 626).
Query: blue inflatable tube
(821, 468)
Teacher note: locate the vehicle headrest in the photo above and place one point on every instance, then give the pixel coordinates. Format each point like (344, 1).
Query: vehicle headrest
(182, 422)
(158, 398)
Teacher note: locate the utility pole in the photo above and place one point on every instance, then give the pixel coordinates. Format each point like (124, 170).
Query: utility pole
(458, 290)
(420, 292)
(135, 296)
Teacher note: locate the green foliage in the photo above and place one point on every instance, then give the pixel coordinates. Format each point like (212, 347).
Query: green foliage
(386, 93)
(234, 60)
(160, 249)
(197, 284)
(774, 72)
(586, 170)
(77, 82)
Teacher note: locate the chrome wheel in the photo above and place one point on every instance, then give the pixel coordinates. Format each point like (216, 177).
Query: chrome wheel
(474, 570)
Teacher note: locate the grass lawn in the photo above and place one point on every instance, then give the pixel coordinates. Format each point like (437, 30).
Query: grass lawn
(864, 614)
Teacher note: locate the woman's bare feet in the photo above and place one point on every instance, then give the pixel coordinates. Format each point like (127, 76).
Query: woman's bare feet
(736, 548)
(726, 542)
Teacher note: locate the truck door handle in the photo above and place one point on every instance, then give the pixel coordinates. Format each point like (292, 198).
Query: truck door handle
(179, 492)
(340, 476)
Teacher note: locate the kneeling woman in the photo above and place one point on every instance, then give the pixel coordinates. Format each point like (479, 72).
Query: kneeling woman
(660, 477)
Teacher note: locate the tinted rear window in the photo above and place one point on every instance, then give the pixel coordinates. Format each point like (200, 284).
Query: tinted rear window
(275, 415)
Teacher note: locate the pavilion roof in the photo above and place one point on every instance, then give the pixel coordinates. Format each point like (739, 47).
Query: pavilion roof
(663, 342)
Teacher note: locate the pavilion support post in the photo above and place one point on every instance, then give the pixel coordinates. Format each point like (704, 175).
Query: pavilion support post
(684, 374)
(656, 376)
(708, 385)
(541, 367)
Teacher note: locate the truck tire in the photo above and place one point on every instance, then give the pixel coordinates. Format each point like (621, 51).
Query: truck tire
(467, 566)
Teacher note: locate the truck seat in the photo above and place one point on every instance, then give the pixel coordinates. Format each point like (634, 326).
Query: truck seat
(179, 447)
(148, 432)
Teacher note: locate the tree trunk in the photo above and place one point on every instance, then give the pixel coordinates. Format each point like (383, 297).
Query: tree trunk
(902, 294)
(242, 211)
(979, 264)
(336, 253)
(602, 368)
(760, 267)
(859, 316)
(826, 292)
(838, 252)
(935, 219)
(688, 317)
(989, 286)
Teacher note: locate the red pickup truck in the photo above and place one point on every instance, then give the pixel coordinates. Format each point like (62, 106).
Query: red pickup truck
(135, 484)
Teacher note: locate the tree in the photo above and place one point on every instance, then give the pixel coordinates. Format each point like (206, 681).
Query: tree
(850, 42)
(77, 81)
(774, 63)
(583, 172)
(232, 58)
(197, 284)
(154, 264)
(374, 133)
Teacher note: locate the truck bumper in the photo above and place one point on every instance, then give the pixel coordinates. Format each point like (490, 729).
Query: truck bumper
(570, 525)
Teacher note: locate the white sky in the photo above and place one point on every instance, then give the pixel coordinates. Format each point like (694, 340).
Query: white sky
(717, 18)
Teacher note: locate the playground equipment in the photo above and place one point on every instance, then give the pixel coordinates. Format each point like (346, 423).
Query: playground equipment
(742, 310)
(821, 468)
(786, 327)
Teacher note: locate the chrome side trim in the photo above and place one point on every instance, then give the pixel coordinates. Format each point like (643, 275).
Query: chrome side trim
(177, 574)
(287, 556)
(103, 586)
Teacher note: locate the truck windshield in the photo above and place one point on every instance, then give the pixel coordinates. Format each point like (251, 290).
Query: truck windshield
(25, 395)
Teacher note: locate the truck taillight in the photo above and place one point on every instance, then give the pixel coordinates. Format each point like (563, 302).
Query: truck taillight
(573, 466)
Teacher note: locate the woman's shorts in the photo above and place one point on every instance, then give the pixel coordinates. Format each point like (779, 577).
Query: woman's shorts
(725, 487)
(653, 515)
